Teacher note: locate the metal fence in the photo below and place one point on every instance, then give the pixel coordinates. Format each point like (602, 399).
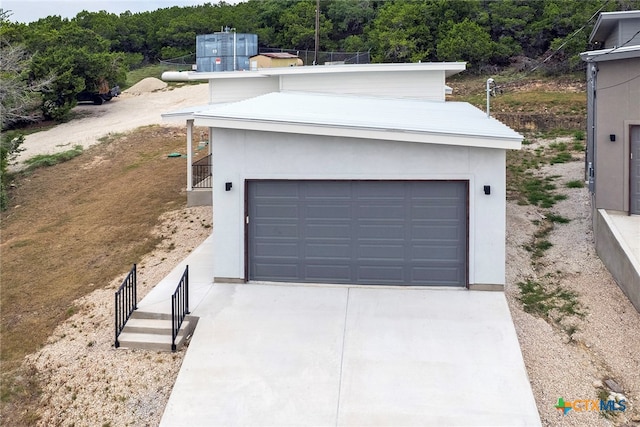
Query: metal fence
(187, 62)
(179, 306)
(126, 301)
(324, 57)
(201, 173)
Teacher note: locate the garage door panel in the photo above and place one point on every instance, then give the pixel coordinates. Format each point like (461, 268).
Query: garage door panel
(286, 189)
(437, 231)
(435, 252)
(327, 230)
(327, 250)
(376, 231)
(381, 211)
(277, 271)
(328, 273)
(270, 230)
(323, 211)
(369, 232)
(436, 212)
(277, 211)
(379, 274)
(448, 276)
(273, 249)
(381, 251)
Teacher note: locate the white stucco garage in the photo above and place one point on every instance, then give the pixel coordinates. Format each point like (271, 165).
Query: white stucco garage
(329, 188)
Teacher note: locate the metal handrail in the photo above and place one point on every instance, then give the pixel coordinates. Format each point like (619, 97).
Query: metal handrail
(201, 173)
(125, 301)
(179, 306)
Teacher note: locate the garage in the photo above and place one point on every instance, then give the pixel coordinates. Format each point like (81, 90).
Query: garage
(370, 232)
(341, 189)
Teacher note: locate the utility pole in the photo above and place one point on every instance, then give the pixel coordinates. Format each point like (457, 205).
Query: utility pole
(315, 57)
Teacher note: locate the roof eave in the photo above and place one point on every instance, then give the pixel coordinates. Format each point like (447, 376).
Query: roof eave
(425, 137)
(611, 54)
(449, 68)
(607, 21)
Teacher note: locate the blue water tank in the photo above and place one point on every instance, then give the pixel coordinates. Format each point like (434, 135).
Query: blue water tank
(215, 52)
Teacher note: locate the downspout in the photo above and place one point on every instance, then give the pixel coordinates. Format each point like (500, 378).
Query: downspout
(590, 155)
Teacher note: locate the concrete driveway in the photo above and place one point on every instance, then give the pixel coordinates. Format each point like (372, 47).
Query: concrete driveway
(294, 355)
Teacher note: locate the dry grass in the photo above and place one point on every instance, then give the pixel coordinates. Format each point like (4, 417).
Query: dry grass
(71, 229)
(519, 94)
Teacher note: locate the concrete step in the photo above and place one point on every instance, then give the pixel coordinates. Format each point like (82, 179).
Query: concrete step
(150, 326)
(152, 331)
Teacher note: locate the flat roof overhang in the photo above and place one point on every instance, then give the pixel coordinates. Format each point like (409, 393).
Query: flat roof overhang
(612, 54)
(430, 122)
(449, 68)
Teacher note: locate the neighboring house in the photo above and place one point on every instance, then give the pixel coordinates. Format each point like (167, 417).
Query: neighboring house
(613, 112)
(613, 145)
(277, 59)
(356, 174)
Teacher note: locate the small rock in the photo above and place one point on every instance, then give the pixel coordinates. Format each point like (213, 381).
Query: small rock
(613, 385)
(598, 384)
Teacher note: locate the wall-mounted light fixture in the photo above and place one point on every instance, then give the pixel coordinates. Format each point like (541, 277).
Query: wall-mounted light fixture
(487, 189)
(227, 186)
(612, 137)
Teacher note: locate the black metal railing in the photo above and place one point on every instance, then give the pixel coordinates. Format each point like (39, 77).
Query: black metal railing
(126, 301)
(179, 306)
(201, 173)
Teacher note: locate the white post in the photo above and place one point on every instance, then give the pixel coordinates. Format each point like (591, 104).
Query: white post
(489, 83)
(189, 155)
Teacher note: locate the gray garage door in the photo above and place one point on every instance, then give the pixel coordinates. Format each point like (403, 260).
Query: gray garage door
(364, 232)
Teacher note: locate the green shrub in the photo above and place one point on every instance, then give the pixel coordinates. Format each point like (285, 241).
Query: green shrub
(45, 160)
(576, 183)
(557, 218)
(561, 157)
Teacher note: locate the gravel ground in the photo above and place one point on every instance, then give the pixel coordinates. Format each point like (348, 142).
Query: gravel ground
(87, 382)
(606, 343)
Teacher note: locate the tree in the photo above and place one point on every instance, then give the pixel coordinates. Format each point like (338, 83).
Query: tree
(349, 19)
(20, 98)
(466, 41)
(79, 58)
(298, 26)
(402, 32)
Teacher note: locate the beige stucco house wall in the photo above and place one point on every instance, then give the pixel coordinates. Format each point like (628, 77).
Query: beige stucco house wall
(613, 108)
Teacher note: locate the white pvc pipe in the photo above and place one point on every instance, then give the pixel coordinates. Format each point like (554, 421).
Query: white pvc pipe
(175, 76)
(489, 83)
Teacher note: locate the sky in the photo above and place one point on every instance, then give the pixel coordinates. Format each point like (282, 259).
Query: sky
(31, 10)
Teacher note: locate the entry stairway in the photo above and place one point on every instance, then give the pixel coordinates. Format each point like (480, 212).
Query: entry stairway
(149, 324)
(152, 331)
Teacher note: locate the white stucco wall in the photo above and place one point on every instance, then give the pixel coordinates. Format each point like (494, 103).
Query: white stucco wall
(407, 84)
(231, 90)
(240, 154)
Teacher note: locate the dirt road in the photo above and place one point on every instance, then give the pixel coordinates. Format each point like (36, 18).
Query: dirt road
(125, 113)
